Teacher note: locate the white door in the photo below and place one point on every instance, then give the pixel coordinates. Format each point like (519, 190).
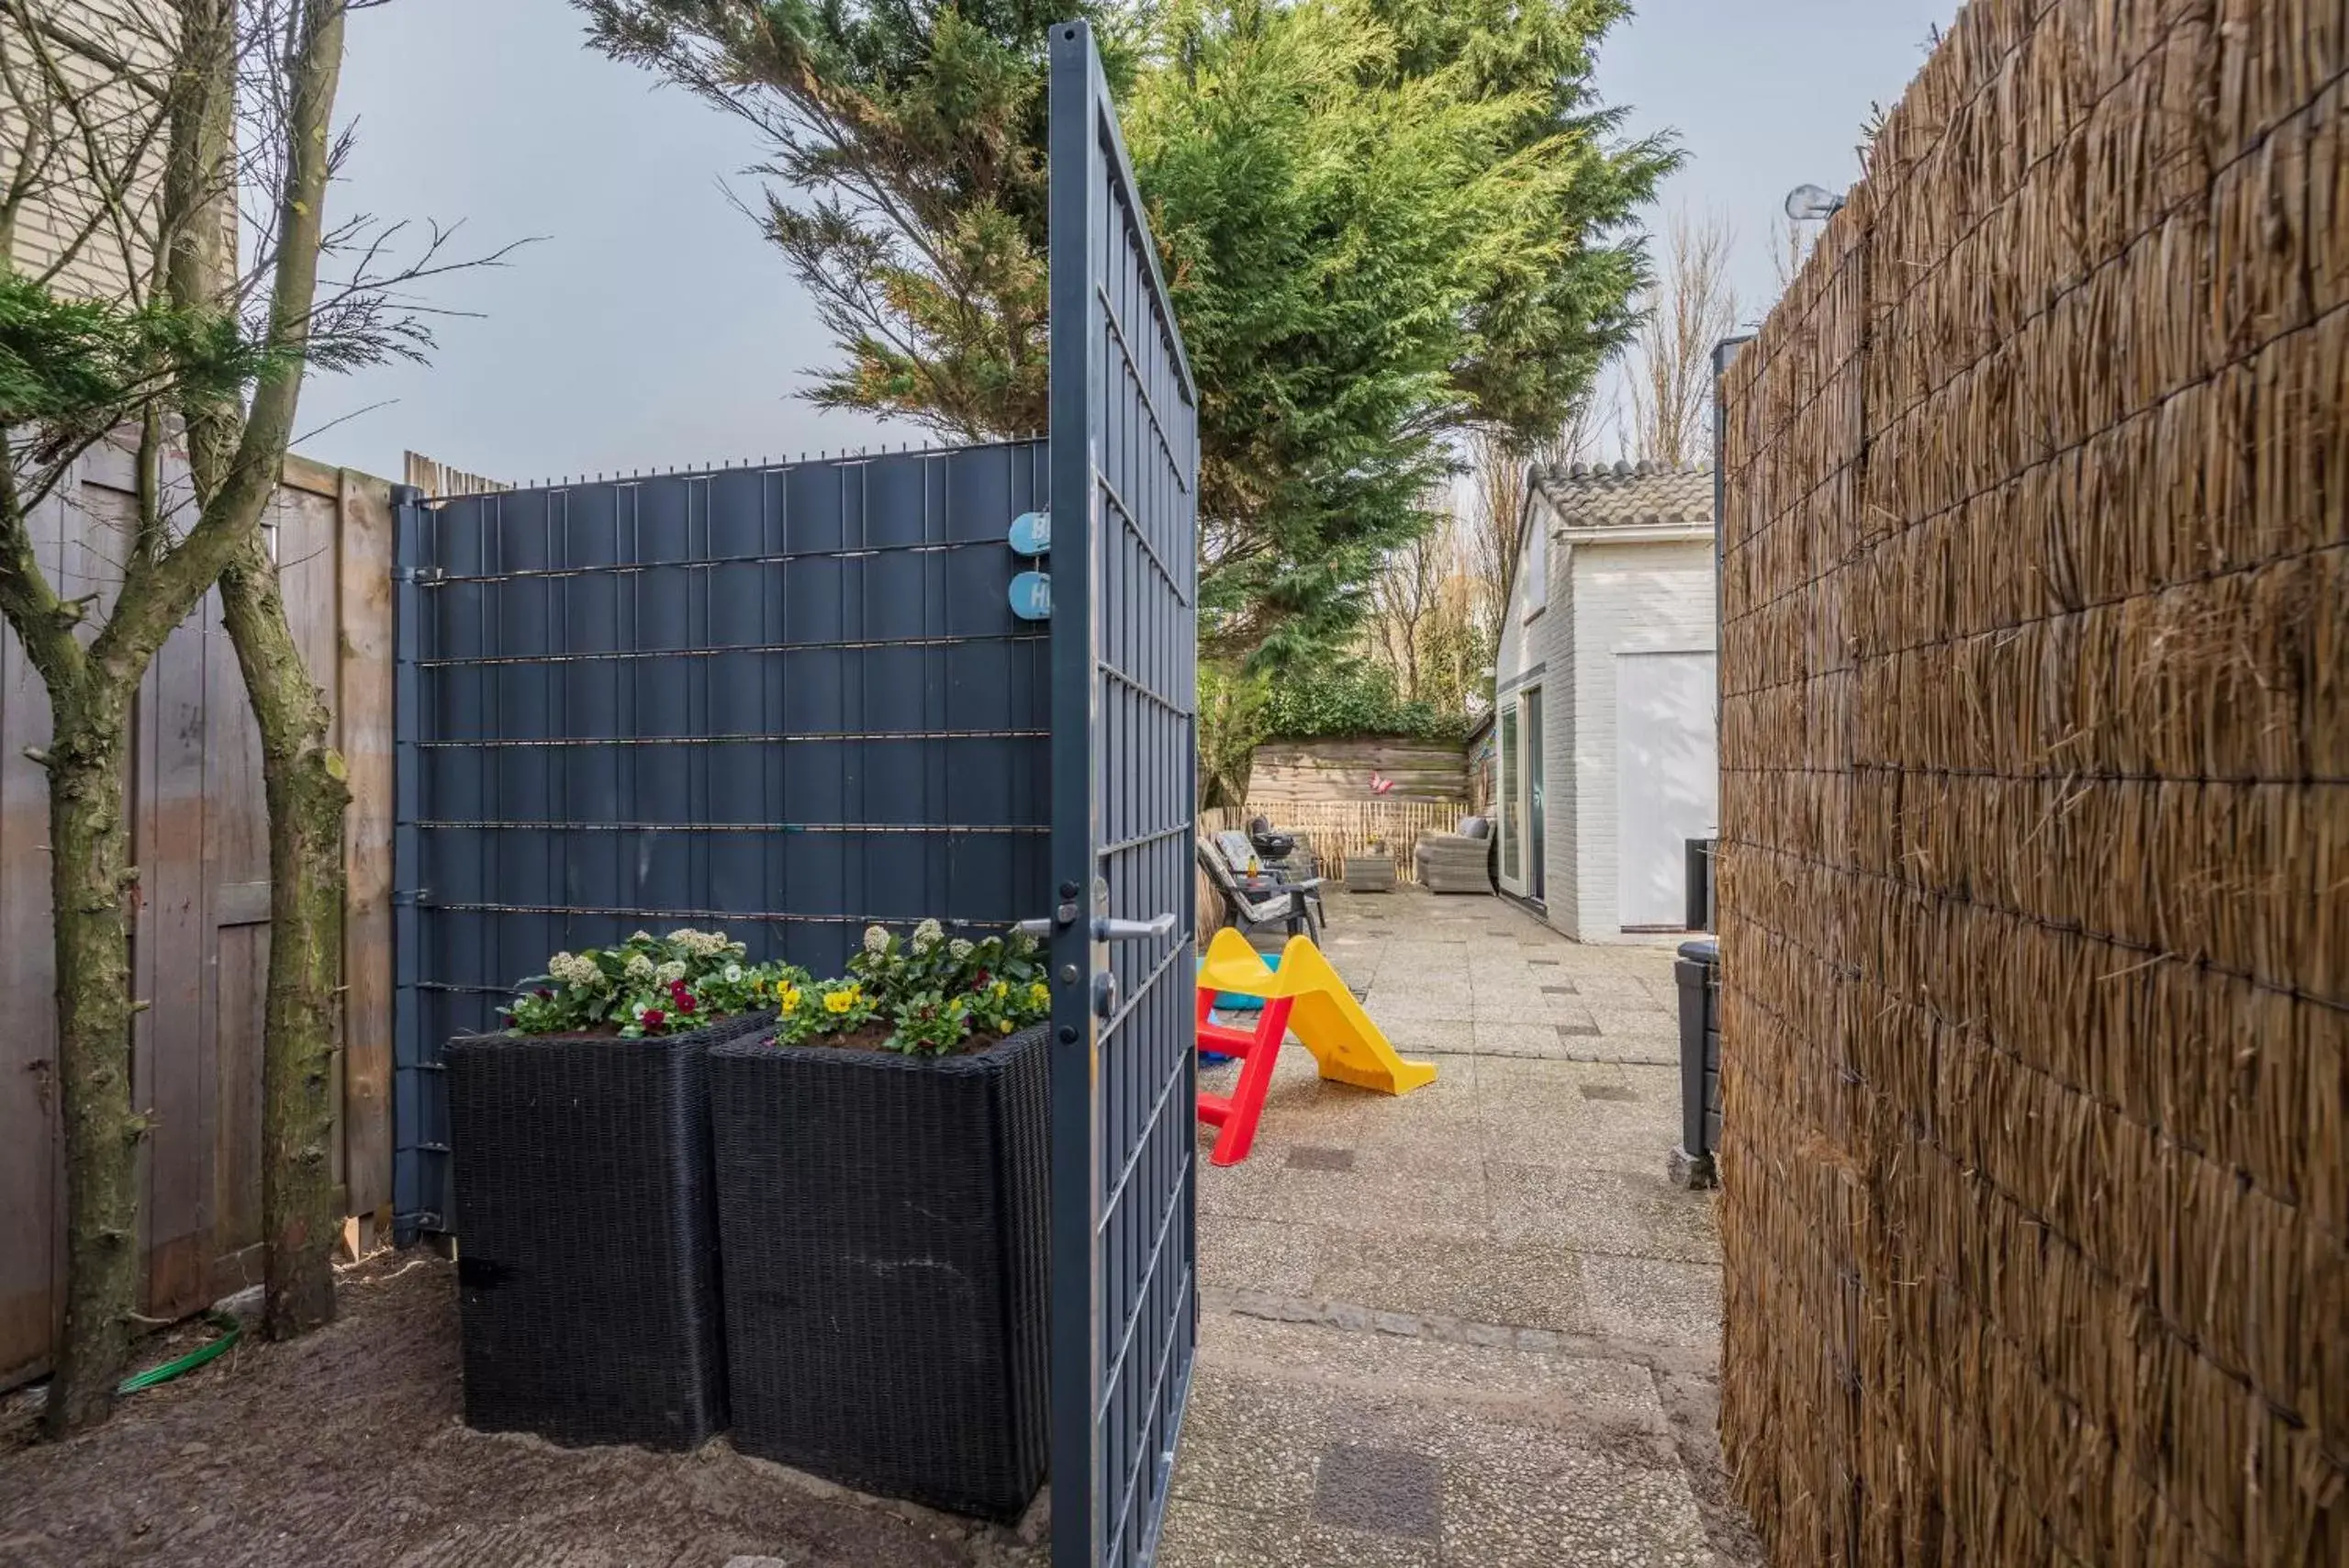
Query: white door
(1667, 776)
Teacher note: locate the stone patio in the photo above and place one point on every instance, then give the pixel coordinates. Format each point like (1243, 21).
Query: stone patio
(1473, 1326)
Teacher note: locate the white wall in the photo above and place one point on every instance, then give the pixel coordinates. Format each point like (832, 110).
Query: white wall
(1626, 597)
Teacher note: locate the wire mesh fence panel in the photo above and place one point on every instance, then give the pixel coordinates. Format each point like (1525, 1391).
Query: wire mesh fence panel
(787, 701)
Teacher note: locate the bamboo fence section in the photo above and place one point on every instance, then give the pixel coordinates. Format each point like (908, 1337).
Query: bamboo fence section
(1337, 829)
(2035, 883)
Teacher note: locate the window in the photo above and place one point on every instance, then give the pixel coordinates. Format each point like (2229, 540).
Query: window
(1536, 571)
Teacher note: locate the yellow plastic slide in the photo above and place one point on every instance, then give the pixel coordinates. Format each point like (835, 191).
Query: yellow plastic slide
(1323, 1013)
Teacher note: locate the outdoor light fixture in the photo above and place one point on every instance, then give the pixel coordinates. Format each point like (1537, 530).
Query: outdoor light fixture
(1809, 203)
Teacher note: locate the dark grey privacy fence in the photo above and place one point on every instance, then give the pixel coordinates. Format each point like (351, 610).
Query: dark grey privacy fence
(787, 701)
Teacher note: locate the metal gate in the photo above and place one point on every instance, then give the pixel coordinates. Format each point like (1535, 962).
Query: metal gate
(1124, 462)
(785, 700)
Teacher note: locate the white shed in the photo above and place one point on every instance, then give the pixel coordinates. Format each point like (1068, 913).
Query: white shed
(1603, 698)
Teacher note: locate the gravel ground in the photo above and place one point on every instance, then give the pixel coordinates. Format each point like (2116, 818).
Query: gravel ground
(345, 1448)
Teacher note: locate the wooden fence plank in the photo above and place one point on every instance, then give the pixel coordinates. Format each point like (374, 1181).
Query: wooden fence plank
(237, 850)
(1342, 769)
(31, 1193)
(366, 707)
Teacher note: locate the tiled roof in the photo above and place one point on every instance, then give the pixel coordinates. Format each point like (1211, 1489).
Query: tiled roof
(1620, 494)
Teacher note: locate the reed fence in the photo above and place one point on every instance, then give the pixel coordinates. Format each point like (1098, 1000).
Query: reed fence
(2035, 943)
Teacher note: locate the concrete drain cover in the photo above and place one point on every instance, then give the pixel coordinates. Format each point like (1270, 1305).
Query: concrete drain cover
(1559, 990)
(1607, 1092)
(1320, 1157)
(1571, 1030)
(1384, 1490)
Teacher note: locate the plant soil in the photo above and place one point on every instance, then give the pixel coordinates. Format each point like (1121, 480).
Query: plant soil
(344, 1447)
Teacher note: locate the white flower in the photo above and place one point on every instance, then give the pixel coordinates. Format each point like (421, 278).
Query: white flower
(733, 974)
(640, 937)
(640, 968)
(928, 934)
(876, 941)
(959, 949)
(670, 972)
(698, 944)
(571, 968)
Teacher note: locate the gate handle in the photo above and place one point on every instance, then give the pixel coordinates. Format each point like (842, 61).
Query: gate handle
(1107, 930)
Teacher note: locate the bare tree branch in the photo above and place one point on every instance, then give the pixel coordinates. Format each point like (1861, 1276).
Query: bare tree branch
(1694, 307)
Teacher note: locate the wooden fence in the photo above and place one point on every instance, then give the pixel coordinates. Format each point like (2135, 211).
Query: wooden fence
(201, 934)
(1339, 828)
(1283, 772)
(2035, 799)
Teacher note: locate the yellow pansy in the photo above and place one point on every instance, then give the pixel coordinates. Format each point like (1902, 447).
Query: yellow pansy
(1039, 994)
(842, 1001)
(789, 998)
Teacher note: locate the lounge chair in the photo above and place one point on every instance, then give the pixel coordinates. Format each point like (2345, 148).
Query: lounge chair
(1256, 905)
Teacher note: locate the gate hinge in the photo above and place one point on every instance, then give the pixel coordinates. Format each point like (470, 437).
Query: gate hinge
(417, 573)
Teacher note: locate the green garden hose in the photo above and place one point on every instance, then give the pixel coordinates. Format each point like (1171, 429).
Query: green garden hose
(229, 1329)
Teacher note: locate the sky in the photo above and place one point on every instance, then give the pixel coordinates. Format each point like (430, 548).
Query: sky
(646, 324)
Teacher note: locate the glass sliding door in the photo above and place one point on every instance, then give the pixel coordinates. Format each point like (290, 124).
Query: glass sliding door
(1513, 851)
(1529, 734)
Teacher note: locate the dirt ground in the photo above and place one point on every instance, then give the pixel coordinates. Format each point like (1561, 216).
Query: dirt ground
(345, 1448)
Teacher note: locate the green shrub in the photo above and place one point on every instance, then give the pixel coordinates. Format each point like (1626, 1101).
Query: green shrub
(1352, 697)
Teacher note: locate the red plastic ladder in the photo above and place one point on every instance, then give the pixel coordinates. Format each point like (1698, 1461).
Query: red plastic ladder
(1234, 1114)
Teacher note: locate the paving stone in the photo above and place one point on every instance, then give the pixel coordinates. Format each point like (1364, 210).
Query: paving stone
(1473, 1278)
(1425, 1036)
(1653, 1299)
(1528, 1039)
(1385, 1491)
(1203, 1534)
(1594, 1209)
(1257, 1254)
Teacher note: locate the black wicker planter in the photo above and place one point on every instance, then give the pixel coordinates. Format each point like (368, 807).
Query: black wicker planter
(587, 1254)
(886, 1228)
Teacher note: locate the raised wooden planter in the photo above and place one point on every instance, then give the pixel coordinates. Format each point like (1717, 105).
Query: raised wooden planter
(886, 1226)
(589, 1304)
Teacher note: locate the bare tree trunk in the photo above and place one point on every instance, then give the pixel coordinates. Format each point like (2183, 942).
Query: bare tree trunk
(90, 877)
(304, 779)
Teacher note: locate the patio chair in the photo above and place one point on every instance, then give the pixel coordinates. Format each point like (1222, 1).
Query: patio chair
(1240, 849)
(1255, 904)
